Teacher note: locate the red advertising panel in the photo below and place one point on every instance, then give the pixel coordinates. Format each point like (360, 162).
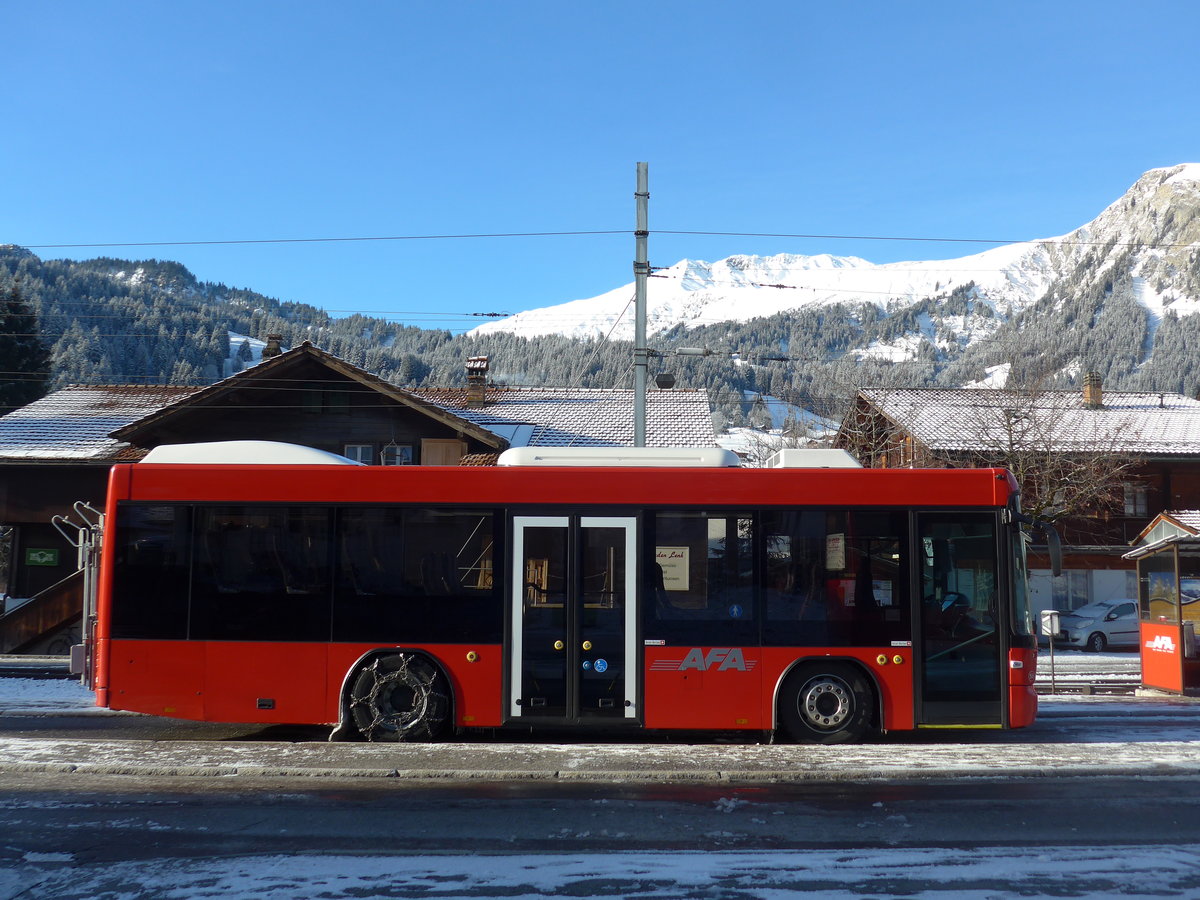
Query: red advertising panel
(1162, 656)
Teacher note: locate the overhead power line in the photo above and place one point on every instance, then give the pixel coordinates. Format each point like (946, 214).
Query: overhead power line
(900, 238)
(321, 240)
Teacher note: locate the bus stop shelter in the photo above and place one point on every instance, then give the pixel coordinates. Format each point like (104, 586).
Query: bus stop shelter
(1169, 603)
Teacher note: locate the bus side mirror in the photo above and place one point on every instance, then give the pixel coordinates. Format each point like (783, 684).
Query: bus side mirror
(1053, 547)
(1053, 541)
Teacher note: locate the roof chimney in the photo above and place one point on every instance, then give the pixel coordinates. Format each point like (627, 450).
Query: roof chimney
(272, 348)
(477, 370)
(1093, 390)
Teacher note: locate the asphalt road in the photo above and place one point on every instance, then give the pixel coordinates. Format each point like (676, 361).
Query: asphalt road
(104, 818)
(1096, 799)
(137, 837)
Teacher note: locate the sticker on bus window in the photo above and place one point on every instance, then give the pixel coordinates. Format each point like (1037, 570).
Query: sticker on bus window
(835, 552)
(674, 564)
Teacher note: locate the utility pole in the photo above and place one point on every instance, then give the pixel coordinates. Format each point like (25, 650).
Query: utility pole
(641, 271)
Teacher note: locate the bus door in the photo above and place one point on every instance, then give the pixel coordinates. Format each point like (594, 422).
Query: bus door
(958, 622)
(573, 603)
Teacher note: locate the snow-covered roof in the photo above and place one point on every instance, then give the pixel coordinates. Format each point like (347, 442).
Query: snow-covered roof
(73, 424)
(1188, 518)
(1174, 526)
(1138, 423)
(582, 417)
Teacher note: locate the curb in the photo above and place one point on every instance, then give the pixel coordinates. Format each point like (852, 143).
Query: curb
(426, 776)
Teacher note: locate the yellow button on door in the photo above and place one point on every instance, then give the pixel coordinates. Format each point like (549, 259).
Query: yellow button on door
(587, 645)
(558, 645)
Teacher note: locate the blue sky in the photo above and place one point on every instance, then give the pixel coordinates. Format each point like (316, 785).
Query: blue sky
(264, 120)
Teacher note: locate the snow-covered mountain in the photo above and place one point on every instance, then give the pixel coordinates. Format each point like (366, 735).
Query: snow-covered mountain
(1150, 237)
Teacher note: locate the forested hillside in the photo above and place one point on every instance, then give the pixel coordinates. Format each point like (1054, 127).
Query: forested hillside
(110, 320)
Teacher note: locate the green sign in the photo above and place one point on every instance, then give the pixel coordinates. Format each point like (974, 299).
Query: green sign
(35, 557)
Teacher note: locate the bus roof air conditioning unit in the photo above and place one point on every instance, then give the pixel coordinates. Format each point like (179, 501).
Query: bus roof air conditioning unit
(245, 453)
(650, 457)
(813, 459)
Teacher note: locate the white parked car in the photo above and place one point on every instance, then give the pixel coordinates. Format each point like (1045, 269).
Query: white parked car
(1098, 626)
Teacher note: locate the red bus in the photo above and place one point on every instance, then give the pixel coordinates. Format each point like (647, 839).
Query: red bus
(408, 603)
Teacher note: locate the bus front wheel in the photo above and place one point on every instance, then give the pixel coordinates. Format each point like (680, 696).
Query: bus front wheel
(400, 697)
(827, 703)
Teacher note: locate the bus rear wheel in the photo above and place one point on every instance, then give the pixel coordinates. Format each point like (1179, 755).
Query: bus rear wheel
(827, 703)
(400, 697)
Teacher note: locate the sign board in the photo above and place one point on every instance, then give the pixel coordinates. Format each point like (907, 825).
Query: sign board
(36, 557)
(1050, 625)
(1162, 656)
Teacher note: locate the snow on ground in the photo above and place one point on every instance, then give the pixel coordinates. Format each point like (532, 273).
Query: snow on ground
(1158, 305)
(992, 873)
(1075, 664)
(1096, 733)
(740, 288)
(756, 445)
(993, 377)
(44, 694)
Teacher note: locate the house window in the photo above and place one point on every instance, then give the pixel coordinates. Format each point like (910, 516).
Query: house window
(397, 455)
(325, 400)
(1072, 589)
(1135, 500)
(363, 453)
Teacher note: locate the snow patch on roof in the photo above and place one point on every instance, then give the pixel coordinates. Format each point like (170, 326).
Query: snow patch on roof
(581, 417)
(73, 424)
(1136, 423)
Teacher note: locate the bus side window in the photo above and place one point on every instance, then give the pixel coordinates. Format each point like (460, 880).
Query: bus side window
(262, 573)
(834, 578)
(416, 575)
(150, 580)
(700, 576)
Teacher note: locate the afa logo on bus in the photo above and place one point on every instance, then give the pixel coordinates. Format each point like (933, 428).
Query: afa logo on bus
(720, 659)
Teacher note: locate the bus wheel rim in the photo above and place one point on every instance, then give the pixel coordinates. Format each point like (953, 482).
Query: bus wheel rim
(826, 703)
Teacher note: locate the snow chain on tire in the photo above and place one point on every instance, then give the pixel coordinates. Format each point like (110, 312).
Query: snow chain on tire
(400, 697)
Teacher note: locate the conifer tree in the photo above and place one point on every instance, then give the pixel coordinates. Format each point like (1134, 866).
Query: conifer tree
(24, 357)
